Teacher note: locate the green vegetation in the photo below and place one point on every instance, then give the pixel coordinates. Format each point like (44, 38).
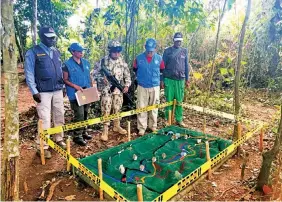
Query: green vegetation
(133, 21)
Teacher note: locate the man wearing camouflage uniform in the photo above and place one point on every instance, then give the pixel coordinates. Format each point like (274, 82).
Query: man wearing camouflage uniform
(112, 100)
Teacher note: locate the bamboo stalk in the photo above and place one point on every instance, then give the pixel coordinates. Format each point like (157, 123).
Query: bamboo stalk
(208, 158)
(68, 152)
(169, 117)
(128, 131)
(261, 140)
(39, 131)
(139, 192)
(100, 171)
(173, 112)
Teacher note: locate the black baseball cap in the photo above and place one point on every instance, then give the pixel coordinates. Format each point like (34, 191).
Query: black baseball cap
(47, 31)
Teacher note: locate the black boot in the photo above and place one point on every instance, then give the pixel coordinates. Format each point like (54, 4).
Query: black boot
(80, 141)
(86, 136)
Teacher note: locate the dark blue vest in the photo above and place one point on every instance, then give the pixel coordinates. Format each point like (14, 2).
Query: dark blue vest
(48, 72)
(78, 76)
(175, 64)
(148, 74)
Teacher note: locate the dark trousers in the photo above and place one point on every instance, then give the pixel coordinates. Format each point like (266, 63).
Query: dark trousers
(80, 114)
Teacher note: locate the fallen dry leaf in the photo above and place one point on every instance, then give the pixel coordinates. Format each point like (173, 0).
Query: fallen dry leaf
(266, 189)
(70, 197)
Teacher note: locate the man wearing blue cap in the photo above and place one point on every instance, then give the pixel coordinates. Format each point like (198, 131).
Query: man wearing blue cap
(76, 74)
(176, 76)
(43, 72)
(148, 67)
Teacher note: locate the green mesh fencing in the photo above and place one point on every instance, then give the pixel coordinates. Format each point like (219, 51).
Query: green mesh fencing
(157, 161)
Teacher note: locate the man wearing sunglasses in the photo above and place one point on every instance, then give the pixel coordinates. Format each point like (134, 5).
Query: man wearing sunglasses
(76, 74)
(43, 72)
(112, 101)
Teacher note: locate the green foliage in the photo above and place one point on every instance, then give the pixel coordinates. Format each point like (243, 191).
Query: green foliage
(275, 84)
(132, 22)
(50, 13)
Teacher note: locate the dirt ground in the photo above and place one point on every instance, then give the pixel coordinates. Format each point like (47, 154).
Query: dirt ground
(224, 185)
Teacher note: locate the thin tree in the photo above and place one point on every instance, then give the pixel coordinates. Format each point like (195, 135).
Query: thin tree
(34, 22)
(209, 82)
(269, 156)
(10, 155)
(238, 67)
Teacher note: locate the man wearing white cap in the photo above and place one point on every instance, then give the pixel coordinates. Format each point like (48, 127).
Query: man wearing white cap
(176, 76)
(44, 77)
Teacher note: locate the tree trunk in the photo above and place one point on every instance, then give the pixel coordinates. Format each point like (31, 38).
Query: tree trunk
(269, 156)
(19, 48)
(209, 82)
(34, 22)
(214, 54)
(10, 158)
(238, 66)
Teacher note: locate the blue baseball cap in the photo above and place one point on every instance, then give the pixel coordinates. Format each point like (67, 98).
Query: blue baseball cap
(76, 47)
(150, 44)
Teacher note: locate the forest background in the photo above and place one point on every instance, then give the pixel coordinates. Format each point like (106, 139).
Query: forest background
(213, 35)
(133, 21)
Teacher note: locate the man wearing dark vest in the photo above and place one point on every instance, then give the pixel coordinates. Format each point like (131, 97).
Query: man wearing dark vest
(43, 72)
(76, 74)
(175, 76)
(148, 67)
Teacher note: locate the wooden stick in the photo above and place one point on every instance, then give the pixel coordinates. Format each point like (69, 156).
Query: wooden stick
(100, 171)
(261, 140)
(51, 190)
(128, 131)
(139, 192)
(25, 187)
(205, 125)
(244, 165)
(239, 125)
(39, 130)
(169, 117)
(68, 152)
(239, 128)
(173, 111)
(208, 158)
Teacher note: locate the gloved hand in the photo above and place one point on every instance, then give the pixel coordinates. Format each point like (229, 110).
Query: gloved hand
(37, 98)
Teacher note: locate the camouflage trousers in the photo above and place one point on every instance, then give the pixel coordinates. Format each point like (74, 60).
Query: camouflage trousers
(111, 103)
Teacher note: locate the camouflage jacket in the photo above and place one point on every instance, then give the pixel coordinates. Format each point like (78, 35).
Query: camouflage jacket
(117, 68)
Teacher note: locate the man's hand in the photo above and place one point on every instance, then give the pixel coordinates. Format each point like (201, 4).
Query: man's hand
(125, 90)
(162, 85)
(37, 98)
(78, 88)
(187, 83)
(64, 92)
(106, 82)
